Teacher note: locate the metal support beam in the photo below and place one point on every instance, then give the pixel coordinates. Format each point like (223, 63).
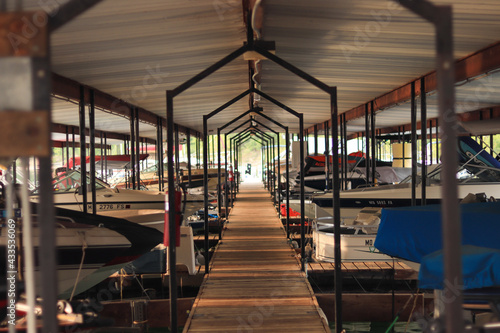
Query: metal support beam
(221, 63)
(92, 151)
(205, 187)
(176, 150)
(74, 145)
(438, 158)
(345, 157)
(431, 140)
(302, 185)
(172, 260)
(67, 150)
(413, 113)
(101, 150)
(336, 211)
(106, 157)
(137, 166)
(188, 140)
(68, 11)
(315, 139)
(327, 156)
(342, 170)
(373, 142)
(287, 139)
(367, 145)
(226, 180)
(219, 188)
(83, 157)
(423, 129)
(132, 147)
(442, 18)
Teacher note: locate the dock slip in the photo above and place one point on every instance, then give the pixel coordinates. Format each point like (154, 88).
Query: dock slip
(255, 283)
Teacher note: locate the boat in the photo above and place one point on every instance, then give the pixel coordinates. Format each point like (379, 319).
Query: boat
(156, 261)
(357, 240)
(110, 161)
(315, 177)
(480, 173)
(89, 248)
(415, 234)
(197, 220)
(68, 194)
(412, 233)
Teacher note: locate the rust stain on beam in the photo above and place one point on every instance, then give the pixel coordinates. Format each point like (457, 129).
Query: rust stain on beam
(25, 133)
(21, 34)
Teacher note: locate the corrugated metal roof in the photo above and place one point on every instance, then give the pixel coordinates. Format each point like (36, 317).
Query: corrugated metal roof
(366, 48)
(136, 50)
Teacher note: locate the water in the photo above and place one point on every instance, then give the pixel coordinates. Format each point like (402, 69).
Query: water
(377, 327)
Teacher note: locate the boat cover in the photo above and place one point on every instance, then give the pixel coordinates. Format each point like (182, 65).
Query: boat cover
(480, 267)
(414, 232)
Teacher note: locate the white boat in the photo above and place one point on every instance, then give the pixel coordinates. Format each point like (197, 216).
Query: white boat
(399, 195)
(89, 248)
(67, 194)
(185, 254)
(357, 240)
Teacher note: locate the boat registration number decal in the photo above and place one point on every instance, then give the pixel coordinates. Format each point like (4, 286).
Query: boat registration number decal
(380, 202)
(109, 206)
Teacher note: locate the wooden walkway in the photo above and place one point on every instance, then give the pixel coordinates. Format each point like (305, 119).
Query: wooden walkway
(255, 283)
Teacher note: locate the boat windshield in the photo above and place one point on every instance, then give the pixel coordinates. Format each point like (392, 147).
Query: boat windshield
(467, 173)
(71, 180)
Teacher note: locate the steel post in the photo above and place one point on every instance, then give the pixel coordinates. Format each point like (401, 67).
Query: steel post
(219, 197)
(83, 157)
(205, 191)
(442, 18)
(171, 212)
(176, 151)
(132, 146)
(188, 139)
(367, 145)
(287, 138)
(327, 157)
(423, 129)
(302, 203)
(413, 113)
(345, 157)
(67, 151)
(336, 211)
(373, 143)
(226, 179)
(92, 150)
(342, 178)
(137, 165)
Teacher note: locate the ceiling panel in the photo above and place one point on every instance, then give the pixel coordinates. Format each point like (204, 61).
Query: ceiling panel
(136, 50)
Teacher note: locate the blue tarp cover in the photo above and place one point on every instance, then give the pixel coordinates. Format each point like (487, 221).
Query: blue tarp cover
(480, 267)
(414, 232)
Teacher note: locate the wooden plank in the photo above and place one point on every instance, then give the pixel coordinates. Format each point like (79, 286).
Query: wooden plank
(372, 266)
(350, 266)
(384, 265)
